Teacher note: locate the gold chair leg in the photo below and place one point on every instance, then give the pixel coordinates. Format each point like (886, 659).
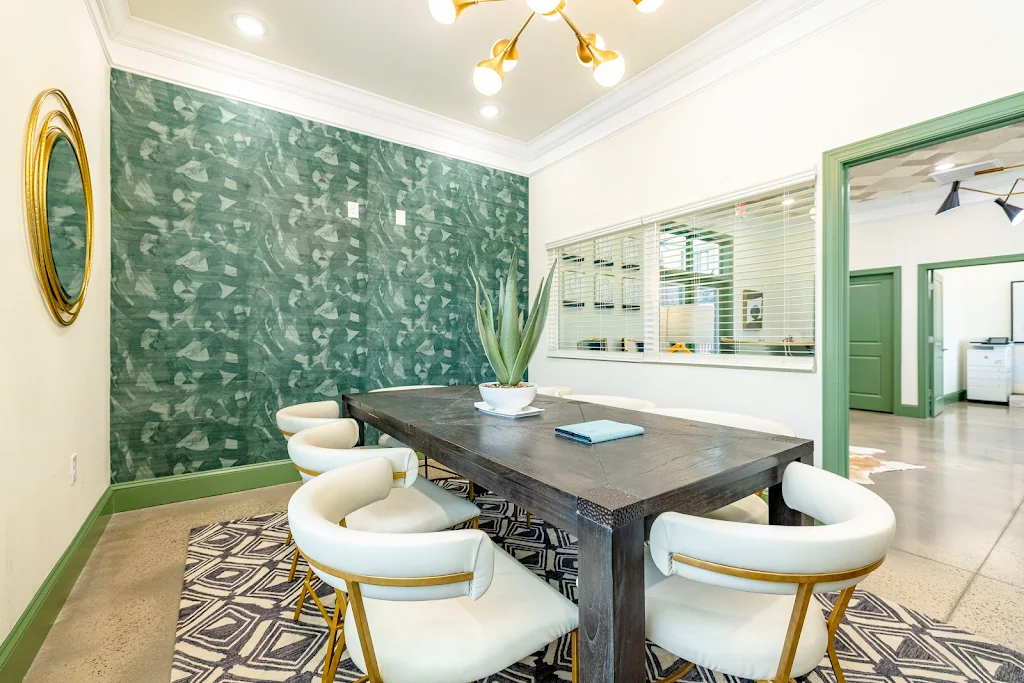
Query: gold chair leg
(834, 621)
(363, 626)
(575, 653)
(476, 523)
(288, 541)
(682, 671)
(472, 493)
(529, 520)
(302, 595)
(804, 593)
(295, 563)
(333, 624)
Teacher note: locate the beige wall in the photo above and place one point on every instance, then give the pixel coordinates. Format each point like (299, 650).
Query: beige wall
(55, 384)
(876, 71)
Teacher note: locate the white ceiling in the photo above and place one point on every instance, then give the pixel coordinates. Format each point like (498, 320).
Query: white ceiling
(394, 48)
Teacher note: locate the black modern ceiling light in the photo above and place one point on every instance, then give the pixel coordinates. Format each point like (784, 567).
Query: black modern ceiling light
(1015, 214)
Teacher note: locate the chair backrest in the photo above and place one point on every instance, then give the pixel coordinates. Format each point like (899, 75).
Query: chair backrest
(613, 401)
(408, 386)
(857, 528)
(559, 392)
(294, 419)
(330, 446)
(419, 566)
(738, 420)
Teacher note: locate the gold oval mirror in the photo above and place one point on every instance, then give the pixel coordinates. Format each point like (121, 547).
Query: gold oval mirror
(58, 198)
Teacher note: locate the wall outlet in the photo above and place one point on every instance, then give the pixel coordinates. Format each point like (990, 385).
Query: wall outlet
(74, 468)
(399, 217)
(353, 209)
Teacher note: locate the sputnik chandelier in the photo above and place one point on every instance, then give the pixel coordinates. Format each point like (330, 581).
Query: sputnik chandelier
(488, 77)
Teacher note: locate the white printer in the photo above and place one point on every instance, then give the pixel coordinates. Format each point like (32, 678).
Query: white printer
(990, 370)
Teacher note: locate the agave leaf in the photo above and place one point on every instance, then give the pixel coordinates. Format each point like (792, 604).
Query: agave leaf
(534, 328)
(485, 328)
(509, 337)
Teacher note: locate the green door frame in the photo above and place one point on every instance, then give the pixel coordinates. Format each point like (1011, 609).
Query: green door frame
(924, 317)
(897, 330)
(835, 174)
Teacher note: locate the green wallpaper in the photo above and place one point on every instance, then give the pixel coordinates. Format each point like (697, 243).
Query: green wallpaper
(240, 285)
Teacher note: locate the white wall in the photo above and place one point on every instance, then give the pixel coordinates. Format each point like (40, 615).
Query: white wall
(974, 230)
(859, 78)
(54, 396)
(976, 306)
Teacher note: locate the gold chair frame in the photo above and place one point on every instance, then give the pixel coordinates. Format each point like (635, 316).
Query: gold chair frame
(805, 591)
(336, 645)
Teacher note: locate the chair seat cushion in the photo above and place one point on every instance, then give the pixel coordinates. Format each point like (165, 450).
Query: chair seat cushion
(422, 507)
(749, 510)
(462, 640)
(729, 631)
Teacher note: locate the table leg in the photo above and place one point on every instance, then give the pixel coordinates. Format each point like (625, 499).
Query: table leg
(780, 513)
(362, 432)
(611, 600)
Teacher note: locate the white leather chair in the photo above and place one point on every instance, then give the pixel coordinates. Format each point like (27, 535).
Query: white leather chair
(389, 441)
(442, 607)
(738, 598)
(752, 509)
(417, 506)
(294, 419)
(559, 392)
(613, 401)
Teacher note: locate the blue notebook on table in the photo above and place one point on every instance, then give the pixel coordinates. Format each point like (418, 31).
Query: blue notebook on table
(598, 431)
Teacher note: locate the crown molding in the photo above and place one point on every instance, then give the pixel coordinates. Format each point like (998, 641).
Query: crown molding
(762, 29)
(759, 31)
(149, 49)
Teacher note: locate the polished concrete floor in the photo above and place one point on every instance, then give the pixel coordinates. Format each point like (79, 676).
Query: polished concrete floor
(959, 549)
(958, 554)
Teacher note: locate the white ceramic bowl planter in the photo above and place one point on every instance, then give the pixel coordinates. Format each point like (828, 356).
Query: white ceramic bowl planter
(508, 399)
(510, 347)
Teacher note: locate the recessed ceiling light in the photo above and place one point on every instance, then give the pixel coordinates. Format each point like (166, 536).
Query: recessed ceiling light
(945, 166)
(489, 111)
(249, 25)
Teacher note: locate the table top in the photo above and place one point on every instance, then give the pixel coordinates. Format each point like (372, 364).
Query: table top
(673, 462)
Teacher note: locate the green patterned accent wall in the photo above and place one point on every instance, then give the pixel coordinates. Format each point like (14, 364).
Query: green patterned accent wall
(240, 285)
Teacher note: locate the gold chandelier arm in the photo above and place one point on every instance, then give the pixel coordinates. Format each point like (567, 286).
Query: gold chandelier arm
(1011, 193)
(579, 36)
(999, 169)
(515, 38)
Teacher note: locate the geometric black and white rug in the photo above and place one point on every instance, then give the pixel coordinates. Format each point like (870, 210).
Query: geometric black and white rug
(235, 621)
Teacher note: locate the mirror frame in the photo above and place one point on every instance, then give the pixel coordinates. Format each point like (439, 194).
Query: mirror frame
(43, 133)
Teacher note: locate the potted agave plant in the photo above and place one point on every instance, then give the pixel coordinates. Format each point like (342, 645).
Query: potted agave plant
(510, 347)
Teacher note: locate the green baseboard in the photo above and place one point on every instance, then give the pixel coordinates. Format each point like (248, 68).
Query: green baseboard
(134, 495)
(955, 396)
(23, 642)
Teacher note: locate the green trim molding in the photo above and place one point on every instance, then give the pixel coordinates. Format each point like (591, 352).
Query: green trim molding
(836, 165)
(924, 315)
(955, 396)
(27, 636)
(23, 643)
(897, 329)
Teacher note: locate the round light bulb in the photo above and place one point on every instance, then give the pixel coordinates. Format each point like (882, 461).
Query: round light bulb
(945, 166)
(443, 11)
(583, 54)
(487, 81)
(647, 6)
(543, 6)
(249, 25)
(610, 72)
(553, 15)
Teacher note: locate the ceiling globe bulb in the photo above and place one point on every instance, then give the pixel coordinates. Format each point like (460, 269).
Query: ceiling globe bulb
(553, 15)
(610, 69)
(583, 55)
(543, 6)
(443, 11)
(647, 6)
(486, 78)
(511, 54)
(249, 25)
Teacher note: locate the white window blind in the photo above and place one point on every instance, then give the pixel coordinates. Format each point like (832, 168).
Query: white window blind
(728, 284)
(597, 294)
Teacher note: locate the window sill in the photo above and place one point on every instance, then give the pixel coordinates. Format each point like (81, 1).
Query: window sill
(740, 362)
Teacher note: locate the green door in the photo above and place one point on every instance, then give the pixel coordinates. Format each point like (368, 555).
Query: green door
(871, 342)
(935, 340)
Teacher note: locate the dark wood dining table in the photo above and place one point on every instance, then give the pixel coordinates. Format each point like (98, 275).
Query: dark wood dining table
(607, 495)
